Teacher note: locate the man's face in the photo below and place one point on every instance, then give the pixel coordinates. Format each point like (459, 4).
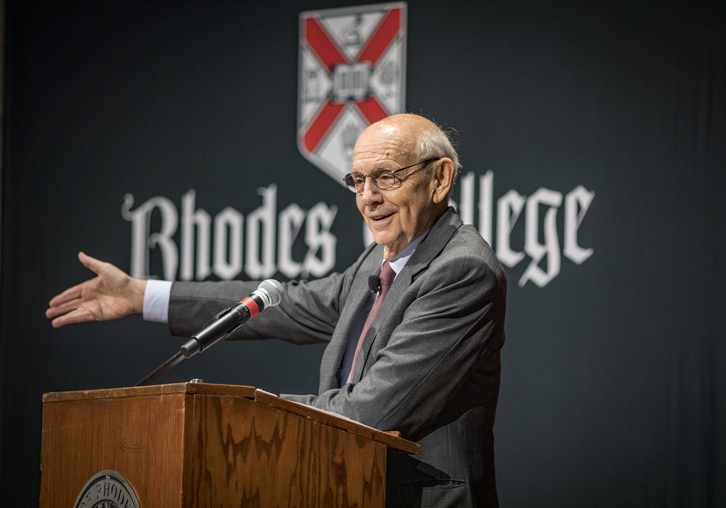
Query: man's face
(397, 216)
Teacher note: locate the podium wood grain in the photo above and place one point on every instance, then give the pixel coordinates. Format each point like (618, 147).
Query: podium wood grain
(275, 458)
(140, 437)
(209, 446)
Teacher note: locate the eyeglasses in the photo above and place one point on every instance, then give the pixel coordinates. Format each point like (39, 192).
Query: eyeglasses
(384, 179)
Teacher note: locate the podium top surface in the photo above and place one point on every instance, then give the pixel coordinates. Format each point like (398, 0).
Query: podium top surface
(248, 392)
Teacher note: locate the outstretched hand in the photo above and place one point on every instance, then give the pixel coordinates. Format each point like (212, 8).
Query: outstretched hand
(110, 295)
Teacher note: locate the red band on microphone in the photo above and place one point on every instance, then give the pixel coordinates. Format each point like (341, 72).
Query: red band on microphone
(251, 305)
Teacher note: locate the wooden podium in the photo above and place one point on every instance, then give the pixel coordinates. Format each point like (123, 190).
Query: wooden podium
(199, 444)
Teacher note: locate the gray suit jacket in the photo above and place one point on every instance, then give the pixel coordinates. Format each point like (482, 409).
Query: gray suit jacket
(431, 357)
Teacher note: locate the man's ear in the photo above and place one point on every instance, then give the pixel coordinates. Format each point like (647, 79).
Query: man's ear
(442, 179)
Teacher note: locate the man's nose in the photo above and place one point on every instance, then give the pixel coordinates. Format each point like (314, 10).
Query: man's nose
(371, 193)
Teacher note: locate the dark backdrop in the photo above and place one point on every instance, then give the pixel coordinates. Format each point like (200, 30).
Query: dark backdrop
(614, 371)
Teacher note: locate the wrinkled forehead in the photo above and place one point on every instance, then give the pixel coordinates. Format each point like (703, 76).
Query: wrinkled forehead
(383, 146)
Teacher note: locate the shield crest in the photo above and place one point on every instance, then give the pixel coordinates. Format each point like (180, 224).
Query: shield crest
(352, 73)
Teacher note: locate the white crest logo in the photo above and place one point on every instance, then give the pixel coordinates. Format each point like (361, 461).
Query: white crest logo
(352, 74)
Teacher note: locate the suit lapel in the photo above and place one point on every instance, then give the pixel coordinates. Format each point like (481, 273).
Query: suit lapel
(431, 247)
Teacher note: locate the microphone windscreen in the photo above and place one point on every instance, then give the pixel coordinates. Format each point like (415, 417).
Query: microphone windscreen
(274, 291)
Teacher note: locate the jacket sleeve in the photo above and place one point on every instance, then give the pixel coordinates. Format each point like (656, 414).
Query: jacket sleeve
(308, 311)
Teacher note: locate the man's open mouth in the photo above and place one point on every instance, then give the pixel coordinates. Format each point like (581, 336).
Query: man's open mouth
(380, 218)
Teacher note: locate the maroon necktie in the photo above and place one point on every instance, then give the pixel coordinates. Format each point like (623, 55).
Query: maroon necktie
(386, 279)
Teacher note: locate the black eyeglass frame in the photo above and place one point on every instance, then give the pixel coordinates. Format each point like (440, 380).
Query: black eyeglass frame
(350, 183)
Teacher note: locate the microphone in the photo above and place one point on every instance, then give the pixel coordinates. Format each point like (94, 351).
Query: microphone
(374, 284)
(268, 294)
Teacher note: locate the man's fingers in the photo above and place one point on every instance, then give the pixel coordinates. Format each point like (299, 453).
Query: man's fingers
(77, 316)
(111, 295)
(63, 308)
(67, 295)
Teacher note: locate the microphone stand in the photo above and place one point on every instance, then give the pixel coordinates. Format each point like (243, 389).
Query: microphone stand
(162, 369)
(218, 328)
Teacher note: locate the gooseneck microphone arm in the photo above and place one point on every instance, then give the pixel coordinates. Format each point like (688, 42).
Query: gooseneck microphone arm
(162, 369)
(268, 294)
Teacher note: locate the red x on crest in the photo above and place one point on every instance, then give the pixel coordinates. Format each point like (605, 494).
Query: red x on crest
(330, 55)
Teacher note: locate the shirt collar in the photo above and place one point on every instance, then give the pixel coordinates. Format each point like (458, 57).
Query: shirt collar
(400, 261)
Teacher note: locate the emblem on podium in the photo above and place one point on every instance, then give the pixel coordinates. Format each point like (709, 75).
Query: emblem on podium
(107, 489)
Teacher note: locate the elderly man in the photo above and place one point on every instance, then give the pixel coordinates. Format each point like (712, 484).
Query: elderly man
(421, 356)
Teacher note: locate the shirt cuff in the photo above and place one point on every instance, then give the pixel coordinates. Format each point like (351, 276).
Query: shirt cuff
(156, 300)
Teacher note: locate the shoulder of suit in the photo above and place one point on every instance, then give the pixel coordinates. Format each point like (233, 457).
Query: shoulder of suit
(468, 247)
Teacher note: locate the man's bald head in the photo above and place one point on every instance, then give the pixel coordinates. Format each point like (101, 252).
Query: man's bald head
(420, 138)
